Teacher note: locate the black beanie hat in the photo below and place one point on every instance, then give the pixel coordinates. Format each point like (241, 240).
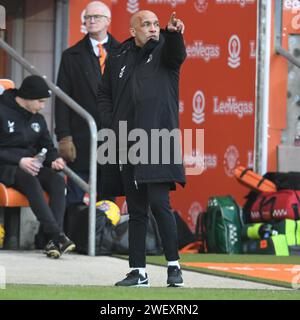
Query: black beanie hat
(33, 87)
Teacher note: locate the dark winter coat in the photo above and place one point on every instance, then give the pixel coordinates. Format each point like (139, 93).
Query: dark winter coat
(79, 77)
(22, 134)
(141, 85)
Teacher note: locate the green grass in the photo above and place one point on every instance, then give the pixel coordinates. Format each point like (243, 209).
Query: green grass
(38, 292)
(225, 258)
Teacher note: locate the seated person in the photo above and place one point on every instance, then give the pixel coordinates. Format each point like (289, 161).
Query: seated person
(23, 134)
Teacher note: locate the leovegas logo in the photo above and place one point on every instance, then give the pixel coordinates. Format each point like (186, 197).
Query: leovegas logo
(200, 50)
(210, 161)
(232, 106)
(241, 3)
(291, 5)
(172, 3)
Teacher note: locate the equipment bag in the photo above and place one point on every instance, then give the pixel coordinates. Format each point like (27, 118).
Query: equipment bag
(253, 180)
(223, 225)
(267, 206)
(120, 237)
(284, 180)
(185, 235)
(76, 228)
(291, 230)
(255, 231)
(276, 245)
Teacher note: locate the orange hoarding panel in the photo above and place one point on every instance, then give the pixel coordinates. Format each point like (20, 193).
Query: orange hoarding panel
(217, 87)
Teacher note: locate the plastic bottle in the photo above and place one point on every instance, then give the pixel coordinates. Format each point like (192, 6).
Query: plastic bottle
(297, 133)
(41, 156)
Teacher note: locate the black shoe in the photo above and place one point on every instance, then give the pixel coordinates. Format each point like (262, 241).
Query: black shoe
(134, 279)
(52, 250)
(65, 244)
(174, 277)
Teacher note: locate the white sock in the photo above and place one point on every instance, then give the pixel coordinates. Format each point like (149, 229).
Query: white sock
(142, 271)
(174, 264)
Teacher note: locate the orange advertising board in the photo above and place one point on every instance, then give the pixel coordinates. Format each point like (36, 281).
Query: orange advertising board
(217, 87)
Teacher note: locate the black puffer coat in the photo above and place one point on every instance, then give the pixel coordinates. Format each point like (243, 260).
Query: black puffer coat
(22, 134)
(143, 84)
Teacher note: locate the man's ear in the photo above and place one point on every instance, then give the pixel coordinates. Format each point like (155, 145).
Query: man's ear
(132, 32)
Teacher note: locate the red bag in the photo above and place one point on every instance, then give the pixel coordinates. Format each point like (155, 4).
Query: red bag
(280, 205)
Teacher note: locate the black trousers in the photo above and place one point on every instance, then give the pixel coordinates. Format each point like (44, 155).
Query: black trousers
(139, 198)
(51, 216)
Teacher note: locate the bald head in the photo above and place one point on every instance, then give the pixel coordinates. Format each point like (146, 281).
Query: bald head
(137, 17)
(144, 26)
(99, 7)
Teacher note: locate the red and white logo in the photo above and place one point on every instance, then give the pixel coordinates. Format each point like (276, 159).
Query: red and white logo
(234, 49)
(231, 160)
(198, 107)
(133, 6)
(201, 5)
(83, 27)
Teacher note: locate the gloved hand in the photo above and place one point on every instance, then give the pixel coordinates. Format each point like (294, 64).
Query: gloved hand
(66, 149)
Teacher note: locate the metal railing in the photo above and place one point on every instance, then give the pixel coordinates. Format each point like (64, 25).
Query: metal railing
(278, 35)
(91, 187)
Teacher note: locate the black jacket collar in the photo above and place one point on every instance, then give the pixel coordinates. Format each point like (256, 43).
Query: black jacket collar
(8, 99)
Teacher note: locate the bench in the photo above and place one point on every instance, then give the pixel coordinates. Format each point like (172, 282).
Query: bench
(11, 201)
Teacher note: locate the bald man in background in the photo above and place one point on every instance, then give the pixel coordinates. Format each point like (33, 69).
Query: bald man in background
(140, 86)
(80, 73)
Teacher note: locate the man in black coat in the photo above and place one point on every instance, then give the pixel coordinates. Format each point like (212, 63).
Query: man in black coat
(23, 134)
(79, 76)
(140, 89)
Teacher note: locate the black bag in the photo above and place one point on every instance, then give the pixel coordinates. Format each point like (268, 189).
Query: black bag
(185, 235)
(120, 237)
(284, 180)
(76, 228)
